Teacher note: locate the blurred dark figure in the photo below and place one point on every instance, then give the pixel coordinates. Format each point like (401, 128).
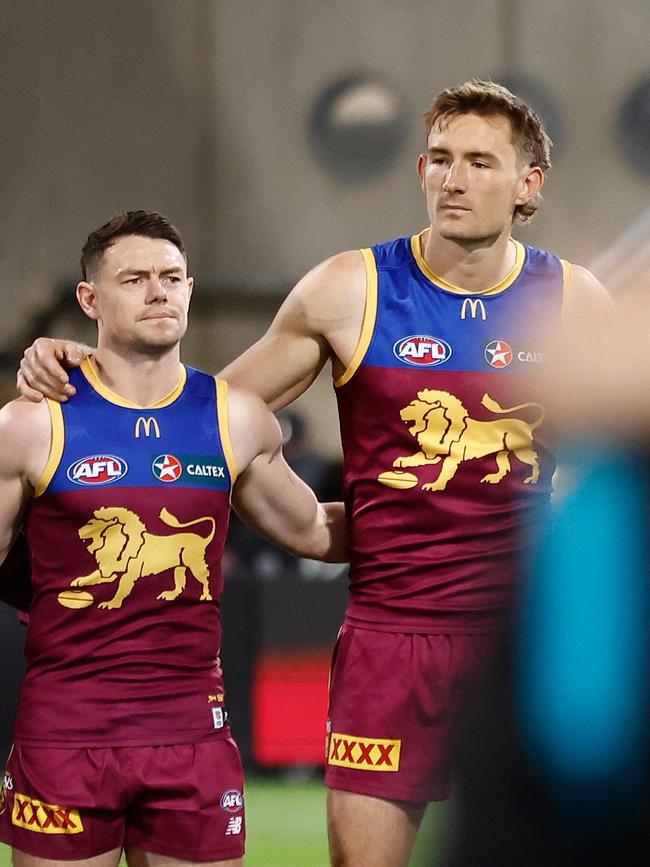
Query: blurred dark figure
(553, 763)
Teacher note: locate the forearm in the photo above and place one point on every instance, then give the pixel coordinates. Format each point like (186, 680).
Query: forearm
(294, 520)
(325, 537)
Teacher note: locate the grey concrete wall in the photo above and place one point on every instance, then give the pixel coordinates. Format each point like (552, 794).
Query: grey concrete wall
(101, 109)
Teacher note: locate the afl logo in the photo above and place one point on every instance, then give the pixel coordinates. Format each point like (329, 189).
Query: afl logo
(167, 468)
(97, 470)
(498, 353)
(232, 801)
(420, 350)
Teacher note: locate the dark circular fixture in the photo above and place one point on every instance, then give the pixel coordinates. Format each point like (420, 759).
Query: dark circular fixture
(358, 125)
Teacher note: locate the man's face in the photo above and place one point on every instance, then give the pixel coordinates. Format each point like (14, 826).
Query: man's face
(140, 294)
(473, 177)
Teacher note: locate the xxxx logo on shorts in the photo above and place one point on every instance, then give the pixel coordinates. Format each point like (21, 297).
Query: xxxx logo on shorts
(44, 818)
(364, 754)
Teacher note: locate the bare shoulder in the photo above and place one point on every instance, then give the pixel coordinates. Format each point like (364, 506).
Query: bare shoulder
(252, 426)
(25, 433)
(332, 287)
(588, 289)
(21, 416)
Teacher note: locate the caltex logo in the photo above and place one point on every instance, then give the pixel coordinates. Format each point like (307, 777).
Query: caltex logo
(97, 470)
(421, 350)
(167, 468)
(498, 353)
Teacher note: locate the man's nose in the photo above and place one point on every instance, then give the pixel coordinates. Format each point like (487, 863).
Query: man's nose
(156, 289)
(453, 181)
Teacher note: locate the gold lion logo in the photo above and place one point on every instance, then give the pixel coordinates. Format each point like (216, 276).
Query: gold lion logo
(445, 432)
(124, 549)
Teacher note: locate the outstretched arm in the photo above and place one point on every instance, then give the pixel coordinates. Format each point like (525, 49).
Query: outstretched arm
(319, 320)
(270, 497)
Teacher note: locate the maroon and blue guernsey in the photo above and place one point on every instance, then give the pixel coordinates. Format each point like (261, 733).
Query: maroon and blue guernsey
(447, 460)
(127, 532)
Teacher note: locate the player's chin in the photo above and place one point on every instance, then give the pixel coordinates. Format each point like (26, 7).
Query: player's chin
(163, 331)
(161, 341)
(455, 232)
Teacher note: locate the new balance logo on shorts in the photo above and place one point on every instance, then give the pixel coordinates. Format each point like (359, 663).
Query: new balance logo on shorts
(364, 754)
(234, 826)
(44, 818)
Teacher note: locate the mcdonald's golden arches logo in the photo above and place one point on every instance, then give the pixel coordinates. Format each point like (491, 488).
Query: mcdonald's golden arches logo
(147, 425)
(475, 306)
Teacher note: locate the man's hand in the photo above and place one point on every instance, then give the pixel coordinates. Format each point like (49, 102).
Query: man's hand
(43, 368)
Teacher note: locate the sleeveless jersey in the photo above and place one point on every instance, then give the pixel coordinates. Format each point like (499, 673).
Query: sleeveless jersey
(447, 467)
(126, 533)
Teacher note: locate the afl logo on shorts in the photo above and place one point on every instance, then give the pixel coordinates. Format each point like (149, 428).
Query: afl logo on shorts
(167, 468)
(232, 801)
(97, 470)
(498, 353)
(420, 350)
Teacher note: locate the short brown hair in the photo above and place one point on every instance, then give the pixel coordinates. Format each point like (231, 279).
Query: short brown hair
(489, 98)
(146, 223)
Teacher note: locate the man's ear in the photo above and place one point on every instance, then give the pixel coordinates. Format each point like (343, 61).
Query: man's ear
(530, 183)
(87, 298)
(422, 164)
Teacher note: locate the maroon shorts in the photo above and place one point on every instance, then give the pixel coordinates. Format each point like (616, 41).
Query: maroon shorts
(394, 702)
(184, 801)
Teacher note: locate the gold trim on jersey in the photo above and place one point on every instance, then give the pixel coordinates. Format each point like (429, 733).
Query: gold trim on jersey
(89, 371)
(369, 319)
(224, 428)
(567, 285)
(56, 447)
(508, 280)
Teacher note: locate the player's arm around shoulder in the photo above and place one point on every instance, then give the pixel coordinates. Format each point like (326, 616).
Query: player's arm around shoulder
(24, 448)
(269, 496)
(43, 369)
(320, 318)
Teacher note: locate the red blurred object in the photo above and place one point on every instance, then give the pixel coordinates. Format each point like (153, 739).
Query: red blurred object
(290, 708)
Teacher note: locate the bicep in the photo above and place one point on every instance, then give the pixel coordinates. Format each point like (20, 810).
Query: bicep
(13, 499)
(311, 327)
(24, 447)
(274, 501)
(281, 365)
(15, 488)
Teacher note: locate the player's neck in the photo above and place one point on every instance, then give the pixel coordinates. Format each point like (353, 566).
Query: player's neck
(137, 378)
(474, 267)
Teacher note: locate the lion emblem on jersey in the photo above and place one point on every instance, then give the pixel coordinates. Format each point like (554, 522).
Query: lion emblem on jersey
(445, 432)
(126, 551)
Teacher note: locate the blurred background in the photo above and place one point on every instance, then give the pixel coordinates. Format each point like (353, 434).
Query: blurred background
(274, 134)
